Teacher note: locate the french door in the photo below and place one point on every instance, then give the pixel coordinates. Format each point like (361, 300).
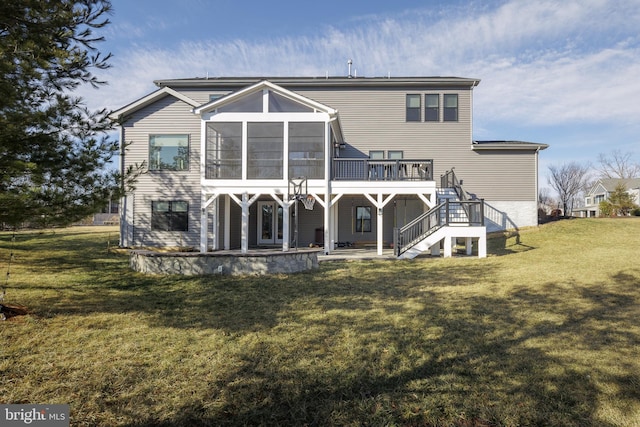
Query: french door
(269, 223)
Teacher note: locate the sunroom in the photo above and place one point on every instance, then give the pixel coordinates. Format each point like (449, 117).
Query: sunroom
(255, 143)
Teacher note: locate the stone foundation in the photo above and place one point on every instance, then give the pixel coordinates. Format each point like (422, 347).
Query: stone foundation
(223, 262)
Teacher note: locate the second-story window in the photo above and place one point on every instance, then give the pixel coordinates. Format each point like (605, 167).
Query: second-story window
(450, 107)
(413, 107)
(169, 152)
(432, 107)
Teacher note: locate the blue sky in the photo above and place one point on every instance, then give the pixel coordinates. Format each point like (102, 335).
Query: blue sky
(560, 72)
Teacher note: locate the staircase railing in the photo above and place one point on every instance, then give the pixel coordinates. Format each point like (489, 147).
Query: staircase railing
(462, 211)
(449, 212)
(450, 180)
(417, 230)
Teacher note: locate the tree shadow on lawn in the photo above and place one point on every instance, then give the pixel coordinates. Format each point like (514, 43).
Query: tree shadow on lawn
(488, 364)
(375, 342)
(241, 304)
(483, 363)
(506, 243)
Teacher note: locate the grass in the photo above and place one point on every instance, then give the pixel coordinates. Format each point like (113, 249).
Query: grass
(545, 331)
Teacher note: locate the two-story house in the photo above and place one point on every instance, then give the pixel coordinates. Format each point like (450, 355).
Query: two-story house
(242, 163)
(602, 190)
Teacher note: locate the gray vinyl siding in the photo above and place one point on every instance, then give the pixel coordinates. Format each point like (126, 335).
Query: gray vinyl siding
(310, 221)
(201, 96)
(385, 127)
(166, 116)
(396, 214)
(495, 175)
(499, 175)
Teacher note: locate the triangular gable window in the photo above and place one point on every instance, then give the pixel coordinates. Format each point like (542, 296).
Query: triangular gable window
(251, 103)
(281, 104)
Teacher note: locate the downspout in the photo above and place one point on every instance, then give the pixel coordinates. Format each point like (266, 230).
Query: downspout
(475, 82)
(328, 207)
(537, 189)
(124, 238)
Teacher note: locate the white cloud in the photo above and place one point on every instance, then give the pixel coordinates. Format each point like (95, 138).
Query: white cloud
(543, 63)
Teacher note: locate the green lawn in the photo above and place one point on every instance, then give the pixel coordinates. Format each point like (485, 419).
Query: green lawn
(543, 332)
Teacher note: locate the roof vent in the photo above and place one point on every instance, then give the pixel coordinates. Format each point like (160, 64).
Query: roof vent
(349, 63)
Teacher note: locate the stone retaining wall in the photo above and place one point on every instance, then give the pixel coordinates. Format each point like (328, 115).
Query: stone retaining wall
(223, 262)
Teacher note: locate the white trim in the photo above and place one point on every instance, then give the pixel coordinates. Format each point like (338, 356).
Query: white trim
(275, 204)
(265, 86)
(148, 100)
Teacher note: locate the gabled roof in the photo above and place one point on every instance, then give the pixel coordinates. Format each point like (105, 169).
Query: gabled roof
(597, 188)
(610, 184)
(118, 115)
(264, 84)
(323, 81)
(507, 145)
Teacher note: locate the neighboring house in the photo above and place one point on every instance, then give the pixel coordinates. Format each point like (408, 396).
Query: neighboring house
(224, 156)
(601, 191)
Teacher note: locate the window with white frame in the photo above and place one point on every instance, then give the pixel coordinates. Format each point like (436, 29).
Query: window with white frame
(265, 148)
(306, 149)
(169, 152)
(223, 150)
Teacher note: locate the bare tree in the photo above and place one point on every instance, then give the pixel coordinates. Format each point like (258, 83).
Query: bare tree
(618, 165)
(546, 200)
(569, 181)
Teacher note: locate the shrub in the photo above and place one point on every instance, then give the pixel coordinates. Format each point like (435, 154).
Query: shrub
(606, 208)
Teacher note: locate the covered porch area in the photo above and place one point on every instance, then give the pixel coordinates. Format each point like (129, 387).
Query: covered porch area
(356, 214)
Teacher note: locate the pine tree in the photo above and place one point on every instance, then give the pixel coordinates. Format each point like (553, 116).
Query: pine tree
(621, 201)
(54, 151)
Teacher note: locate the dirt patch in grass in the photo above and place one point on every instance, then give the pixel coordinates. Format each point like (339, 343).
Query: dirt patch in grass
(12, 311)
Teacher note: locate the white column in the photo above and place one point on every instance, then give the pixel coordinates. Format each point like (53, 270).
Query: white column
(286, 227)
(482, 246)
(203, 223)
(328, 223)
(215, 224)
(227, 225)
(447, 247)
(379, 204)
(244, 244)
(380, 225)
(330, 204)
(468, 245)
(334, 224)
(435, 249)
(328, 235)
